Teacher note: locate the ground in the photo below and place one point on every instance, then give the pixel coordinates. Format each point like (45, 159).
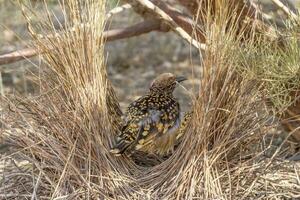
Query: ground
(131, 63)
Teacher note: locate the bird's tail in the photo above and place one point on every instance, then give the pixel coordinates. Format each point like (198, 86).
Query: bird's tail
(120, 147)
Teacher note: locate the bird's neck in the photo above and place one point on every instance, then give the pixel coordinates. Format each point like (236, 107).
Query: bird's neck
(159, 92)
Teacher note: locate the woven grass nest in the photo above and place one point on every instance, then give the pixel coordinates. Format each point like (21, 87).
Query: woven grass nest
(61, 138)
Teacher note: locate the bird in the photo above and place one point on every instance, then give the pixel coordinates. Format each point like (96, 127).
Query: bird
(151, 122)
(184, 123)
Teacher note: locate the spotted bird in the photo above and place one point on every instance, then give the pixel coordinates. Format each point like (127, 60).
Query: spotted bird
(151, 122)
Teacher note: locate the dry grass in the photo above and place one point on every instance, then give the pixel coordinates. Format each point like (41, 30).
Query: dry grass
(63, 135)
(277, 65)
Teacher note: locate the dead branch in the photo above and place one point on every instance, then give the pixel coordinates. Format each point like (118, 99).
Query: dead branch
(111, 35)
(135, 30)
(185, 21)
(285, 9)
(162, 10)
(17, 55)
(148, 4)
(117, 10)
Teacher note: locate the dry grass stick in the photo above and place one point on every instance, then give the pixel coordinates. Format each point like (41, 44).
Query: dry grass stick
(285, 9)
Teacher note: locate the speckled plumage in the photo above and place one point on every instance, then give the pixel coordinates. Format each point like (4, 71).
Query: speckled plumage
(184, 122)
(152, 121)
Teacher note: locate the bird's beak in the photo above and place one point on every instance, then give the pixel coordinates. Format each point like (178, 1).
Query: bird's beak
(180, 79)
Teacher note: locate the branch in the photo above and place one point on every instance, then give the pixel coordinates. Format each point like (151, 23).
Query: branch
(111, 35)
(117, 10)
(175, 19)
(135, 30)
(17, 55)
(184, 21)
(285, 9)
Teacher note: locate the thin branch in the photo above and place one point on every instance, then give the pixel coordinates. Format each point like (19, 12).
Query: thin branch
(111, 35)
(17, 55)
(285, 9)
(117, 10)
(151, 6)
(135, 30)
(184, 21)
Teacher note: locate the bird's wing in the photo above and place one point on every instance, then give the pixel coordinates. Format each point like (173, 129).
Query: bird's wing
(143, 122)
(149, 126)
(158, 131)
(184, 122)
(158, 122)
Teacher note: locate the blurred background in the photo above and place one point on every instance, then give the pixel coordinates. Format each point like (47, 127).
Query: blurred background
(132, 63)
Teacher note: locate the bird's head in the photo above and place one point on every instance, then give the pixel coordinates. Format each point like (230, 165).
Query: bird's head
(165, 83)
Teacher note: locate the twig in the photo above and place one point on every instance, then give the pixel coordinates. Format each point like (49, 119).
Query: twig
(17, 55)
(117, 10)
(148, 4)
(135, 30)
(285, 9)
(111, 35)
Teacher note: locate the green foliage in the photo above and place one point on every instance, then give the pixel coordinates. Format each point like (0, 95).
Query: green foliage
(276, 65)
